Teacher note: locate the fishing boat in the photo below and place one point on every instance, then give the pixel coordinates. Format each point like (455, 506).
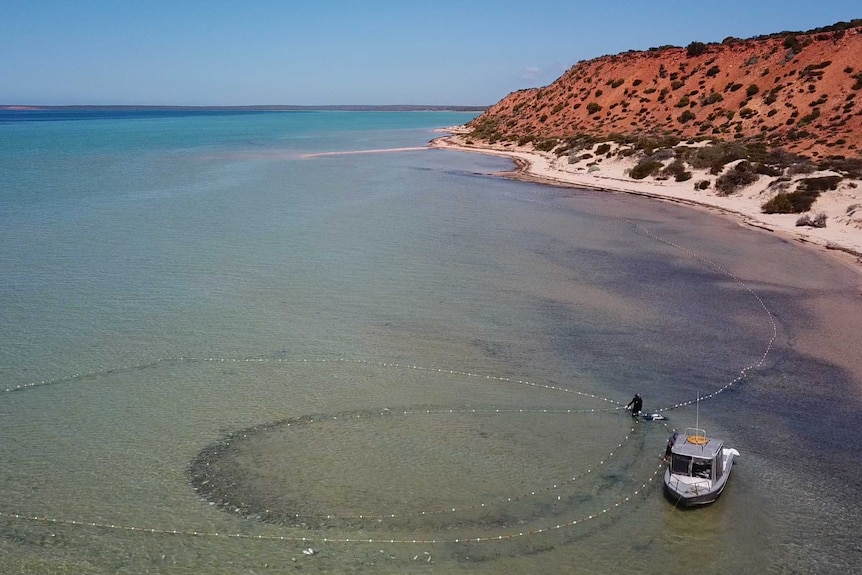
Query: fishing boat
(698, 468)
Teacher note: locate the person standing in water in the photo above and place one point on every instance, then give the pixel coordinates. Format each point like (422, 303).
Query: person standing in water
(636, 404)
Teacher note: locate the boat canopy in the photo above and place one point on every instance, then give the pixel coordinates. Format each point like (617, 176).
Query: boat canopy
(695, 443)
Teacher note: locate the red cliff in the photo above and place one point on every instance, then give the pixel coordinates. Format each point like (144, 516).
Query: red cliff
(799, 92)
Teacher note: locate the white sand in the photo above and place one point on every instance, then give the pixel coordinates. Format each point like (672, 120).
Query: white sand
(842, 207)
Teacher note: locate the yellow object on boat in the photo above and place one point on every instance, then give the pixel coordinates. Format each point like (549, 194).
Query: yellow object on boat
(697, 439)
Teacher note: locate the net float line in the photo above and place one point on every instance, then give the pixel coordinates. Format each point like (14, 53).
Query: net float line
(319, 539)
(616, 405)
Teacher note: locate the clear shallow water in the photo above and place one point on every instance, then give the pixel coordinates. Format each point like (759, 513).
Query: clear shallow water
(144, 250)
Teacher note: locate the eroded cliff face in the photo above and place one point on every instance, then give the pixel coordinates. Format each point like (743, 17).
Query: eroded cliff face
(801, 92)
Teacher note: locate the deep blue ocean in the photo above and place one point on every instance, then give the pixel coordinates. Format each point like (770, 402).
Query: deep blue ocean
(451, 347)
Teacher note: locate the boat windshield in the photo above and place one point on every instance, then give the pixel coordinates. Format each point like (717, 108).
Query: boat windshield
(691, 466)
(680, 464)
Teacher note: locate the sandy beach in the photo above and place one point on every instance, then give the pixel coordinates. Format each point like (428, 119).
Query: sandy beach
(842, 235)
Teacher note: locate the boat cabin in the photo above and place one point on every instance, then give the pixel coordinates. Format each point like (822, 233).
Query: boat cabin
(697, 456)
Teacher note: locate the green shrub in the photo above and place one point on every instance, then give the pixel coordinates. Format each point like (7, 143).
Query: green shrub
(546, 145)
(644, 168)
(818, 221)
(751, 90)
(686, 116)
(782, 158)
(695, 49)
(683, 102)
(713, 98)
(767, 170)
(603, 149)
(778, 204)
(820, 184)
(664, 154)
(791, 42)
(677, 170)
(743, 174)
(808, 118)
(850, 167)
(713, 71)
(701, 185)
(485, 128)
(790, 203)
(747, 113)
(649, 144)
(715, 156)
(593, 107)
(819, 101)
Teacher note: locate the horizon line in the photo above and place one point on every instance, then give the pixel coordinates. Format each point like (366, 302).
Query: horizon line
(261, 107)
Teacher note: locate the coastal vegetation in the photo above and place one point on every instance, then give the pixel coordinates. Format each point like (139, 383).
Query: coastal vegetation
(794, 202)
(644, 168)
(741, 175)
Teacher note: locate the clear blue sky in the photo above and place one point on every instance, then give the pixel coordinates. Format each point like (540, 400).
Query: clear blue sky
(311, 52)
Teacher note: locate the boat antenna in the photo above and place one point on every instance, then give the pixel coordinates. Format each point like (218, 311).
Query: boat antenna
(697, 412)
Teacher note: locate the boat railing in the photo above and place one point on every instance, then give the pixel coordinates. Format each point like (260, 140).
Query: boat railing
(695, 436)
(697, 483)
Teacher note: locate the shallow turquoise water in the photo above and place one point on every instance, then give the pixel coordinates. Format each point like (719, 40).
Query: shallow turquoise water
(196, 270)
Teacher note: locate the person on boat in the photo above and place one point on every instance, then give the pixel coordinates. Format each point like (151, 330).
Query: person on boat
(670, 443)
(636, 404)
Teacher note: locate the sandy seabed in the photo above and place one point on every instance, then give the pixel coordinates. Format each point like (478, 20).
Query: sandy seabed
(835, 336)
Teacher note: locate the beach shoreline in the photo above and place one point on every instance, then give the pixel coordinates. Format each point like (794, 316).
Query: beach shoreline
(841, 238)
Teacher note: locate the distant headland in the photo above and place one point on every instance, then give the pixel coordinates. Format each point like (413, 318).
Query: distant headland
(768, 128)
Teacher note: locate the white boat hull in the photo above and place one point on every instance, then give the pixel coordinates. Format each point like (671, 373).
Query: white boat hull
(689, 491)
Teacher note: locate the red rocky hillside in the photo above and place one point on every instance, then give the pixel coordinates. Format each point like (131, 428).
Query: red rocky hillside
(798, 91)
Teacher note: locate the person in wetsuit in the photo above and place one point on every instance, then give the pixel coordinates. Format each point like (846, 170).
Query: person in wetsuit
(636, 404)
(670, 443)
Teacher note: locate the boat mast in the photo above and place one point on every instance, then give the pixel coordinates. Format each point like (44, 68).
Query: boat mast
(697, 411)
